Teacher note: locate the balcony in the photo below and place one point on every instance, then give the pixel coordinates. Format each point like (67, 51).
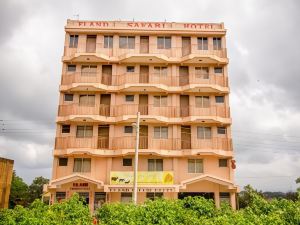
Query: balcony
(135, 81)
(147, 111)
(146, 143)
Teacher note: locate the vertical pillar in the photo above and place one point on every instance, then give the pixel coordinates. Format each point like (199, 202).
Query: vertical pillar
(217, 198)
(233, 200)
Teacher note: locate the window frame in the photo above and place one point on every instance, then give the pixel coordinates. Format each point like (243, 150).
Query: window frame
(155, 164)
(220, 97)
(63, 161)
(127, 44)
(194, 165)
(201, 43)
(89, 101)
(206, 131)
(161, 129)
(64, 128)
(127, 98)
(127, 131)
(108, 41)
(73, 40)
(84, 131)
(130, 69)
(66, 98)
(124, 163)
(71, 66)
(164, 44)
(217, 43)
(202, 101)
(222, 130)
(222, 163)
(160, 101)
(161, 71)
(82, 169)
(155, 195)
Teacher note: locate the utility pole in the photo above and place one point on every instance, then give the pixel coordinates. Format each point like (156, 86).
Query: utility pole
(136, 158)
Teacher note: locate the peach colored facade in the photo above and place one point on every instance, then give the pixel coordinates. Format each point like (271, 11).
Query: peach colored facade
(175, 75)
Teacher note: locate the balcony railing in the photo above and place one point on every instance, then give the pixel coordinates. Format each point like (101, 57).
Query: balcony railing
(132, 109)
(117, 143)
(152, 78)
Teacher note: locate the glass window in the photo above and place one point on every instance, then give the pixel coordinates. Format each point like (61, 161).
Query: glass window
(221, 130)
(129, 98)
(161, 132)
(160, 101)
(202, 43)
(127, 42)
(71, 68)
(155, 165)
(225, 197)
(195, 165)
(218, 70)
(217, 43)
(202, 101)
(87, 100)
(161, 70)
(73, 41)
(223, 162)
(153, 195)
(108, 41)
(128, 129)
(88, 70)
(202, 72)
(219, 99)
(82, 165)
(163, 42)
(126, 197)
(84, 131)
(62, 161)
(204, 132)
(130, 69)
(68, 97)
(60, 196)
(65, 128)
(127, 162)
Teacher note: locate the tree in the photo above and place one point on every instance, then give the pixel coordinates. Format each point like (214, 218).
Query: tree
(298, 182)
(36, 188)
(18, 191)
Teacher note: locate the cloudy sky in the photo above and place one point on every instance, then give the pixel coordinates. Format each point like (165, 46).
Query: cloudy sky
(264, 51)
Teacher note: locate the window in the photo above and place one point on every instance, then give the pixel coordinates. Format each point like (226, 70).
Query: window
(88, 70)
(202, 43)
(219, 99)
(195, 165)
(223, 162)
(127, 162)
(155, 165)
(108, 41)
(60, 196)
(73, 41)
(154, 195)
(87, 100)
(82, 165)
(130, 69)
(127, 42)
(160, 101)
(217, 43)
(62, 161)
(221, 130)
(204, 132)
(225, 197)
(126, 197)
(65, 129)
(84, 131)
(128, 129)
(202, 101)
(218, 70)
(202, 72)
(129, 98)
(161, 132)
(161, 70)
(163, 42)
(68, 97)
(71, 68)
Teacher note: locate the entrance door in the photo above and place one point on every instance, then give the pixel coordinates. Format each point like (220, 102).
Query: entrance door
(99, 199)
(185, 137)
(144, 74)
(183, 75)
(91, 43)
(103, 136)
(143, 137)
(184, 105)
(106, 74)
(143, 104)
(85, 197)
(105, 105)
(144, 44)
(186, 46)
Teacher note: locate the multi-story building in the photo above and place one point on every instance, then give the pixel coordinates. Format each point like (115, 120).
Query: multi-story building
(6, 172)
(175, 75)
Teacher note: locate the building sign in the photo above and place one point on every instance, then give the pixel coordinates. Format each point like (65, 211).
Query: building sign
(143, 189)
(80, 186)
(144, 25)
(144, 177)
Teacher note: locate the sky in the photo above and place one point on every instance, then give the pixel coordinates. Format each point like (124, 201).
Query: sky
(264, 77)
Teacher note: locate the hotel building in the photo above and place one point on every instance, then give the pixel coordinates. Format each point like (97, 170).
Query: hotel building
(176, 76)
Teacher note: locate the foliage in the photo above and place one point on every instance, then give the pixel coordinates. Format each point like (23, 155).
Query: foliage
(69, 212)
(36, 188)
(18, 191)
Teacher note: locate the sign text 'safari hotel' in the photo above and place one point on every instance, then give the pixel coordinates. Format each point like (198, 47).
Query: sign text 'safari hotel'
(175, 75)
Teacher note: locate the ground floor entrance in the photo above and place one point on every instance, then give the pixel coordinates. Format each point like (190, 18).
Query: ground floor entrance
(207, 195)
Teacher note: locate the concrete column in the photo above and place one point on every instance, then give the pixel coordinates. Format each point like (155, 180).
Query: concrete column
(233, 200)
(217, 198)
